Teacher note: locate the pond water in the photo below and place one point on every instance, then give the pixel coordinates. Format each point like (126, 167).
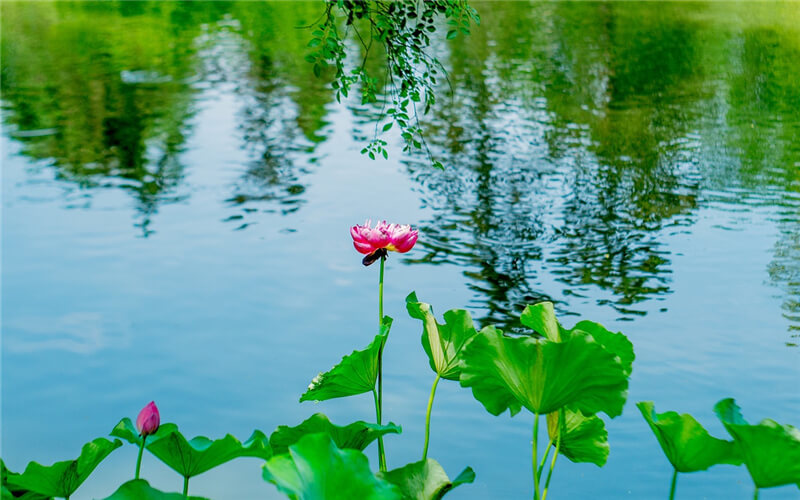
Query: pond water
(178, 188)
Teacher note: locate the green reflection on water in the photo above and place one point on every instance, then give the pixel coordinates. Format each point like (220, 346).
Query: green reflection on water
(577, 136)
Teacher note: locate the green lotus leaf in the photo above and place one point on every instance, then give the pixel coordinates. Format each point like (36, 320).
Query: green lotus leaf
(687, 445)
(771, 451)
(442, 343)
(584, 439)
(543, 376)
(426, 480)
(616, 343)
(139, 489)
(62, 478)
(193, 457)
(125, 430)
(355, 374)
(355, 436)
(541, 318)
(15, 493)
(315, 469)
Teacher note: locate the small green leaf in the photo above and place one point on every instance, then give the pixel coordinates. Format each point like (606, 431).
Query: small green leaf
(508, 373)
(125, 430)
(541, 318)
(356, 436)
(583, 439)
(355, 374)
(687, 445)
(387, 126)
(451, 34)
(442, 343)
(315, 469)
(139, 489)
(193, 457)
(62, 478)
(426, 480)
(771, 451)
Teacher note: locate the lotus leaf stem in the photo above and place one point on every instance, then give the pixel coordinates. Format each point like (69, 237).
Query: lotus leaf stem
(555, 456)
(381, 459)
(428, 417)
(673, 484)
(534, 452)
(544, 458)
(755, 495)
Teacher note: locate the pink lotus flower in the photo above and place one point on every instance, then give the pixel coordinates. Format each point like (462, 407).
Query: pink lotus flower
(375, 242)
(148, 420)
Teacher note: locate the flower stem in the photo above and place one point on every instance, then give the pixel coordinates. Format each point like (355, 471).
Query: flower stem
(139, 460)
(428, 417)
(379, 397)
(534, 452)
(544, 458)
(185, 486)
(381, 459)
(673, 484)
(755, 495)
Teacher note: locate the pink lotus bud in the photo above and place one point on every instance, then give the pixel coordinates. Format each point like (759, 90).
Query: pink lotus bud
(148, 420)
(374, 242)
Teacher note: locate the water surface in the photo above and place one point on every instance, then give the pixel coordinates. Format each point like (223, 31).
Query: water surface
(177, 188)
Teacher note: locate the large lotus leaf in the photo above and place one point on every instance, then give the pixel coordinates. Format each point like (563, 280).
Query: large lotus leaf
(193, 457)
(355, 436)
(616, 343)
(771, 451)
(15, 493)
(584, 439)
(687, 445)
(507, 373)
(426, 480)
(139, 489)
(315, 469)
(442, 343)
(355, 374)
(542, 319)
(62, 478)
(125, 430)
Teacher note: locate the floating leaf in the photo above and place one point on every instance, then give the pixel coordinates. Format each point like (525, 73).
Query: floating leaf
(442, 343)
(508, 373)
(315, 469)
(426, 480)
(356, 436)
(584, 439)
(190, 458)
(139, 489)
(687, 445)
(355, 374)
(62, 478)
(126, 430)
(771, 451)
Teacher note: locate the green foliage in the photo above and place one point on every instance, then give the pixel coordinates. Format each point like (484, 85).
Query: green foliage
(315, 469)
(355, 374)
(583, 438)
(403, 29)
(193, 457)
(771, 451)
(139, 489)
(442, 343)
(543, 376)
(355, 436)
(426, 480)
(62, 478)
(8, 492)
(126, 430)
(687, 445)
